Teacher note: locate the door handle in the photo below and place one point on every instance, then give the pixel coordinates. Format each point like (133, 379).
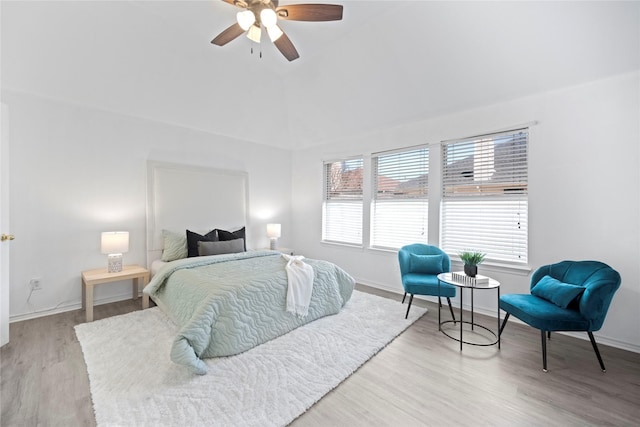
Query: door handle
(6, 237)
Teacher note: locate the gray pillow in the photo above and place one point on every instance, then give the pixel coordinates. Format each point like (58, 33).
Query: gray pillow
(175, 246)
(218, 248)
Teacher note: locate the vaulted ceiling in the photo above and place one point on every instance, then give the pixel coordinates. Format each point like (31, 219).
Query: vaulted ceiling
(386, 63)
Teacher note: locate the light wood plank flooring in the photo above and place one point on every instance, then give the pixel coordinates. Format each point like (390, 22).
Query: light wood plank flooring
(420, 379)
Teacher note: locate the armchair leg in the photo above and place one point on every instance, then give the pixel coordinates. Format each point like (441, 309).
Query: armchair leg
(405, 295)
(549, 335)
(544, 351)
(450, 309)
(595, 348)
(409, 307)
(504, 322)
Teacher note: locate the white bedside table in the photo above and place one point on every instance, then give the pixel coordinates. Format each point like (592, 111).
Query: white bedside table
(91, 278)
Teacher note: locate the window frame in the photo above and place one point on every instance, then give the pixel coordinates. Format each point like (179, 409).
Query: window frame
(501, 189)
(342, 203)
(397, 165)
(435, 199)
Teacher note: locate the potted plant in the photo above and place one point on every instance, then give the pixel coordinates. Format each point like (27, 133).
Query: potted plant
(471, 259)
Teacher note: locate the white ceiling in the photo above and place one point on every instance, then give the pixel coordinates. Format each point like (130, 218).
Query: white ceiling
(386, 63)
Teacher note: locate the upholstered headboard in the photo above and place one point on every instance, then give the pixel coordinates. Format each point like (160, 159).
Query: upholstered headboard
(181, 197)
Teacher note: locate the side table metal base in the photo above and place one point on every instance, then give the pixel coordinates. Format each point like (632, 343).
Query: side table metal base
(469, 342)
(490, 284)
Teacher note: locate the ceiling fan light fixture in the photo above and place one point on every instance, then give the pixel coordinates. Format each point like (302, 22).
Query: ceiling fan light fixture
(245, 19)
(274, 33)
(254, 33)
(258, 15)
(268, 17)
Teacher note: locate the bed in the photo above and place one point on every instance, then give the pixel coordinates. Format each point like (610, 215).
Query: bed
(224, 301)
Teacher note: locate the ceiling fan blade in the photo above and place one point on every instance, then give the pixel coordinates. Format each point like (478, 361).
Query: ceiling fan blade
(310, 12)
(239, 3)
(227, 35)
(245, 3)
(285, 47)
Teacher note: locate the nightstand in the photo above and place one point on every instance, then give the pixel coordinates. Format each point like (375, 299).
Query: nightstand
(91, 278)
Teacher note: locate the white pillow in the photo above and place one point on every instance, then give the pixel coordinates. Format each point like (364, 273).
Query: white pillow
(175, 246)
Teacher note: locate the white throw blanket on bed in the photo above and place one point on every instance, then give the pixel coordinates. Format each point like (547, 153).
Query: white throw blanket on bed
(300, 285)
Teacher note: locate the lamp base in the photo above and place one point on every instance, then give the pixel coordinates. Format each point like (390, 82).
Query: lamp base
(115, 263)
(273, 244)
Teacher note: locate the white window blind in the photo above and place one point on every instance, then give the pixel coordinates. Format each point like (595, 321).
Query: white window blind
(399, 208)
(484, 196)
(342, 207)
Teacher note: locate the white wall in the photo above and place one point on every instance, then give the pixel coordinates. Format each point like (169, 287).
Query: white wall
(584, 159)
(77, 171)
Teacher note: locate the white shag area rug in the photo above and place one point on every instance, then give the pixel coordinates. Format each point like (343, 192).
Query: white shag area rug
(133, 382)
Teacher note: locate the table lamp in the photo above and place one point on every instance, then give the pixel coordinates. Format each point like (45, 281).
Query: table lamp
(114, 244)
(273, 232)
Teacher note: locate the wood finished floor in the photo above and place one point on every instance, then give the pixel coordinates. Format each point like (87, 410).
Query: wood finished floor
(419, 379)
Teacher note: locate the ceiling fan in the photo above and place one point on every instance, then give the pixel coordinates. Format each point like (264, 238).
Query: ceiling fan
(258, 14)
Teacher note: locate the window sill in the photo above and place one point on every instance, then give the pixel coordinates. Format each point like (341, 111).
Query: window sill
(521, 269)
(383, 250)
(340, 244)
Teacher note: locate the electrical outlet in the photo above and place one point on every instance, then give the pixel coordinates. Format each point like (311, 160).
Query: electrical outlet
(36, 283)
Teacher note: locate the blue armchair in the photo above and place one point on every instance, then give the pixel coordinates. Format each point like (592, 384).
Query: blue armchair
(567, 296)
(420, 265)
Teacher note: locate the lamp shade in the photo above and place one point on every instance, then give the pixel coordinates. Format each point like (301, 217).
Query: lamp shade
(274, 33)
(254, 34)
(268, 17)
(273, 231)
(114, 242)
(246, 19)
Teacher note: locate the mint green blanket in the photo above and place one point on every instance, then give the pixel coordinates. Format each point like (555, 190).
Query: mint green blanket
(227, 304)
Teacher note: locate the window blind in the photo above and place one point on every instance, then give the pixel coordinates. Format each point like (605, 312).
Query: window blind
(399, 211)
(342, 207)
(484, 196)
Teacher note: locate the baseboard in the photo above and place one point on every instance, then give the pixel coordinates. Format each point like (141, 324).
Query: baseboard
(481, 310)
(604, 340)
(62, 308)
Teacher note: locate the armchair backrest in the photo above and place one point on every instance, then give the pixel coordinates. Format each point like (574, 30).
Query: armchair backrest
(599, 280)
(420, 249)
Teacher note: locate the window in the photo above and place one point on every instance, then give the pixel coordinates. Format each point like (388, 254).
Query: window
(399, 207)
(484, 195)
(342, 207)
